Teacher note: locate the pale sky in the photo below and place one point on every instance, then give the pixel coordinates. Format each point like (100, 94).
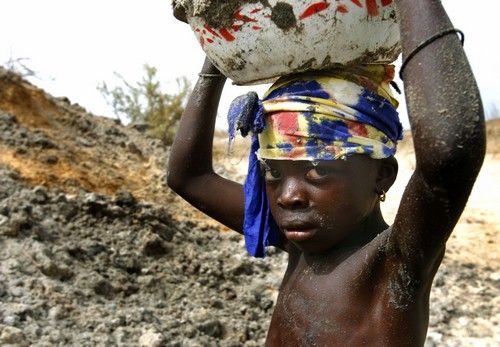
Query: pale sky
(74, 45)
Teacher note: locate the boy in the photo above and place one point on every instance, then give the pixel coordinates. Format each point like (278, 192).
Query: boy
(351, 279)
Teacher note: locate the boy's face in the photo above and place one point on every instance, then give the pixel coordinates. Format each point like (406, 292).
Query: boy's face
(318, 206)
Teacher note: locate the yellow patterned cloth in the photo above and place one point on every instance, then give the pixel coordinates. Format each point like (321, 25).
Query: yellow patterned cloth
(331, 116)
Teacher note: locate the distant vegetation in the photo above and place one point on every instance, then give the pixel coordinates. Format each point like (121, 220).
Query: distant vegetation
(145, 102)
(20, 67)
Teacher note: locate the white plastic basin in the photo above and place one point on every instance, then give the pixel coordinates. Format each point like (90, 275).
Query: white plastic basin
(255, 41)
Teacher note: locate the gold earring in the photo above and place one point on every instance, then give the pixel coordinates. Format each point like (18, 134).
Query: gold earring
(381, 196)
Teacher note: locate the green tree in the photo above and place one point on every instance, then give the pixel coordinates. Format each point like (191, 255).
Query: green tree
(145, 102)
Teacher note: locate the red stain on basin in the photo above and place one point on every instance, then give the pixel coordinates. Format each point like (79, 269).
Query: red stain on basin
(357, 3)
(372, 7)
(342, 9)
(314, 8)
(227, 35)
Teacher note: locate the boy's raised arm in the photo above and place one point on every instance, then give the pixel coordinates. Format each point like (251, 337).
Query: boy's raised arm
(447, 123)
(190, 171)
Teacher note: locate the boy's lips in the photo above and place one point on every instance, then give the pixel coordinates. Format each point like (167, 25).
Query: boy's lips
(298, 234)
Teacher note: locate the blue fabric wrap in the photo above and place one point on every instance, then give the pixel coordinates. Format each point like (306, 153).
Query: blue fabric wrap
(259, 228)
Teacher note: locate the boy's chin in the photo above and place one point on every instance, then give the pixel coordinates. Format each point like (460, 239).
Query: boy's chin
(316, 241)
(314, 246)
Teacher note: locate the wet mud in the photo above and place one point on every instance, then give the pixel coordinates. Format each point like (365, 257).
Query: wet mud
(216, 13)
(220, 13)
(282, 15)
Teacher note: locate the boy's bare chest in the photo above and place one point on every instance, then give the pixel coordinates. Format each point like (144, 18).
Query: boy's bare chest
(319, 302)
(351, 304)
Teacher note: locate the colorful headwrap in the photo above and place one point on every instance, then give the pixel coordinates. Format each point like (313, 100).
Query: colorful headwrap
(312, 117)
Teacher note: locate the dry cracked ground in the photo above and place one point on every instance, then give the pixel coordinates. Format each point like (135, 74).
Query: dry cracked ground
(96, 251)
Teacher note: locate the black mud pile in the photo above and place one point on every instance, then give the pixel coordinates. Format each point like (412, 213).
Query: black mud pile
(87, 270)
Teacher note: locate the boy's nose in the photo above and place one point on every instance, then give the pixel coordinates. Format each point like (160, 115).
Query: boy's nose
(292, 195)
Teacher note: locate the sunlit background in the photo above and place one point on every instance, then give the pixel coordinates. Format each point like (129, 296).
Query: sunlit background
(74, 45)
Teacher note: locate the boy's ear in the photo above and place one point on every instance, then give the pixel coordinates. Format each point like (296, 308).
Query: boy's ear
(387, 172)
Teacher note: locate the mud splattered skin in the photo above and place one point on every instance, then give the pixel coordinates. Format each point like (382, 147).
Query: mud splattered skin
(358, 297)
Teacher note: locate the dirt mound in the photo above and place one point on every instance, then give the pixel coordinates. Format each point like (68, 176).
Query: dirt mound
(57, 144)
(95, 250)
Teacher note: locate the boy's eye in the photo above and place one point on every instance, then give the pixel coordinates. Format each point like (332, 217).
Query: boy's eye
(271, 174)
(318, 172)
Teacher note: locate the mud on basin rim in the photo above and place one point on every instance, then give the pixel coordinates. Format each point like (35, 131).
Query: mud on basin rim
(255, 41)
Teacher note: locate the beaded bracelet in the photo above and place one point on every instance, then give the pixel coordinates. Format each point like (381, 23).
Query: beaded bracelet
(427, 42)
